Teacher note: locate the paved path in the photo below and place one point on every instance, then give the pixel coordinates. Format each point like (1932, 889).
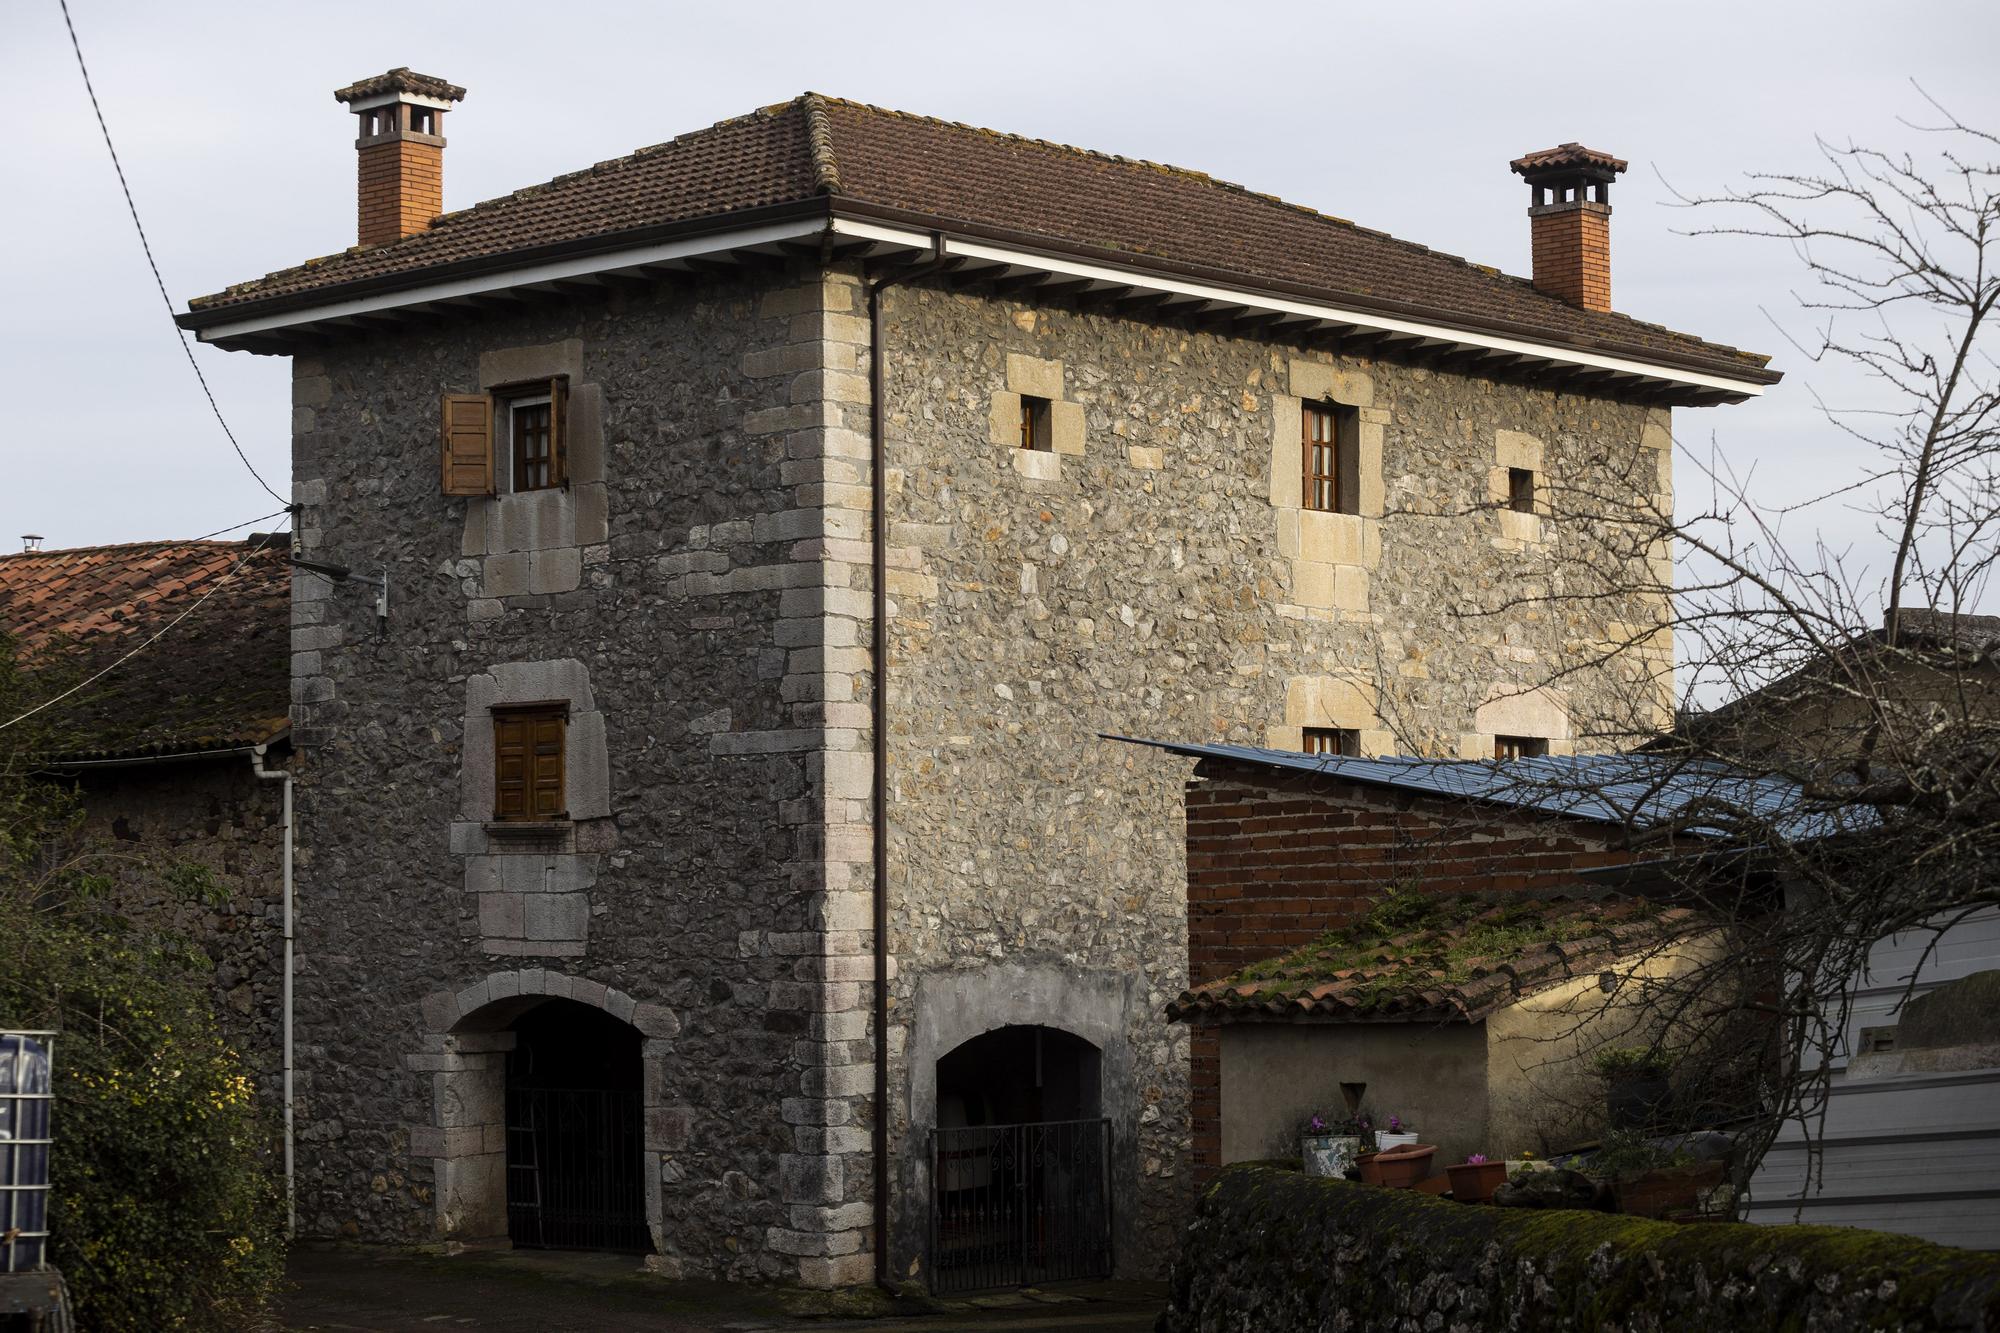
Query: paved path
(356, 1289)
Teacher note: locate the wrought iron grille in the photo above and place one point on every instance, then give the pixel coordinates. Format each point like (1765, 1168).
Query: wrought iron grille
(1020, 1205)
(575, 1170)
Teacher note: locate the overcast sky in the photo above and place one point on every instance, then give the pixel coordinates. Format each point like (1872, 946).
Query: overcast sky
(1397, 117)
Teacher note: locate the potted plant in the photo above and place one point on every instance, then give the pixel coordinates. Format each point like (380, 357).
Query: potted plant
(1475, 1179)
(1395, 1134)
(1402, 1167)
(1635, 1083)
(1652, 1179)
(1329, 1149)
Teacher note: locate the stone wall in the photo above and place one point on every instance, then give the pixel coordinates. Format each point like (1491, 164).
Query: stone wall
(1153, 574)
(1275, 1249)
(217, 814)
(673, 596)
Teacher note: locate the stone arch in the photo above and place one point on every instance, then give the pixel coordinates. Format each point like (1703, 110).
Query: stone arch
(952, 1007)
(468, 1034)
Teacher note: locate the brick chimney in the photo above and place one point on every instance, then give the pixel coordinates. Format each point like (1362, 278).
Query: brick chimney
(1570, 207)
(401, 151)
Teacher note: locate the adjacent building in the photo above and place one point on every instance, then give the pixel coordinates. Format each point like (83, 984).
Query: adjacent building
(767, 524)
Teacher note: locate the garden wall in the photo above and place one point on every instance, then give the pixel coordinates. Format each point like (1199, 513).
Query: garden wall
(1273, 1249)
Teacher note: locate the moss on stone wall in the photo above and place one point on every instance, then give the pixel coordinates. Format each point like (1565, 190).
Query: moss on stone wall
(1272, 1249)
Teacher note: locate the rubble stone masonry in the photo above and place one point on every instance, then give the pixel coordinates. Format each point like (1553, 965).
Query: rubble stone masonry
(700, 599)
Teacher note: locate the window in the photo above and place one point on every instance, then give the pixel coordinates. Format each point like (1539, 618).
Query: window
(1035, 424)
(1332, 740)
(1520, 747)
(1521, 490)
(528, 782)
(1332, 444)
(531, 435)
(423, 120)
(511, 439)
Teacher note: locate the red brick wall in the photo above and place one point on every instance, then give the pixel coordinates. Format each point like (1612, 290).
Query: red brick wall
(1572, 252)
(1275, 860)
(401, 189)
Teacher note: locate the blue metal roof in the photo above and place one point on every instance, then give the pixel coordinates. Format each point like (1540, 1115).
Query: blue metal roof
(1636, 790)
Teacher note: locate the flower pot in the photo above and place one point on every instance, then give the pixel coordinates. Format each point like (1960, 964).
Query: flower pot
(1402, 1168)
(1329, 1154)
(1384, 1140)
(1672, 1189)
(1370, 1173)
(1474, 1182)
(1635, 1103)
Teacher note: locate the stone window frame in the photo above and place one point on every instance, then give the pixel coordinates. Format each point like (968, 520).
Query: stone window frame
(1332, 703)
(586, 753)
(1035, 377)
(1512, 450)
(1331, 554)
(1533, 712)
(533, 542)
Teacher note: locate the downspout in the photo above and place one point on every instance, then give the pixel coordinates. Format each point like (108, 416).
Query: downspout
(285, 1004)
(878, 462)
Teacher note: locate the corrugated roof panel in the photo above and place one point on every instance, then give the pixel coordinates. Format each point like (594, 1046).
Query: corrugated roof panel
(1639, 790)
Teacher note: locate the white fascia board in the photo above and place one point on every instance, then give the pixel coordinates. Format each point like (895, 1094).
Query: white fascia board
(414, 99)
(1253, 300)
(503, 279)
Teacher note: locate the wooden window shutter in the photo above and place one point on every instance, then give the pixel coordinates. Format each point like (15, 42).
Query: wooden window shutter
(559, 432)
(510, 766)
(529, 781)
(467, 440)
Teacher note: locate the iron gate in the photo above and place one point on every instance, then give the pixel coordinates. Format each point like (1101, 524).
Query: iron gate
(1019, 1205)
(575, 1171)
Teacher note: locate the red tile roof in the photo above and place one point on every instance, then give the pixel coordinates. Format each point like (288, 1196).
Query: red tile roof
(1443, 959)
(818, 155)
(218, 679)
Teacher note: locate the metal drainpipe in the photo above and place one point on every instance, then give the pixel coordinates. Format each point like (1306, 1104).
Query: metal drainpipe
(291, 1192)
(878, 457)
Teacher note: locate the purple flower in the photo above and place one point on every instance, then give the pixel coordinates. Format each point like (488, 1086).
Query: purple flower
(1395, 1124)
(1477, 1159)
(1318, 1125)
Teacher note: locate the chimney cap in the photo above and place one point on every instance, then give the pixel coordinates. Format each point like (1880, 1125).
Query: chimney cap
(1570, 159)
(400, 80)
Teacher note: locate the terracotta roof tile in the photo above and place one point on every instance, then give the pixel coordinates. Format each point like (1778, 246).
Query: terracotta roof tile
(1428, 974)
(821, 152)
(219, 679)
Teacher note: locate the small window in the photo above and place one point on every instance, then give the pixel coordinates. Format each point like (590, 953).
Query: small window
(1331, 437)
(532, 425)
(1333, 740)
(423, 120)
(1520, 747)
(1521, 490)
(1035, 429)
(528, 780)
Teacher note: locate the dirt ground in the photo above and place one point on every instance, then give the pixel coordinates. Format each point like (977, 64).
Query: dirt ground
(354, 1289)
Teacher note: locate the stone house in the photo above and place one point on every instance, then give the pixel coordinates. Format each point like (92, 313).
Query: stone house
(167, 749)
(775, 834)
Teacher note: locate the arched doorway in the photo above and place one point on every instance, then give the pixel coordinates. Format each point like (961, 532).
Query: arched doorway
(575, 1131)
(1020, 1162)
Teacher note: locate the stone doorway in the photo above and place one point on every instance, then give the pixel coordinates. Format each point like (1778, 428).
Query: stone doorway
(469, 1055)
(575, 1117)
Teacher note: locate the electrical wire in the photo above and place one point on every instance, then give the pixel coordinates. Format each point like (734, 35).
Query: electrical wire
(187, 349)
(157, 635)
(234, 527)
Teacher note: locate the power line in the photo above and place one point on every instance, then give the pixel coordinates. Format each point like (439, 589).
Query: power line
(157, 635)
(186, 348)
(236, 527)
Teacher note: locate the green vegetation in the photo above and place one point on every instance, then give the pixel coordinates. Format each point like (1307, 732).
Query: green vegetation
(1435, 939)
(1272, 1248)
(165, 1210)
(1617, 1063)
